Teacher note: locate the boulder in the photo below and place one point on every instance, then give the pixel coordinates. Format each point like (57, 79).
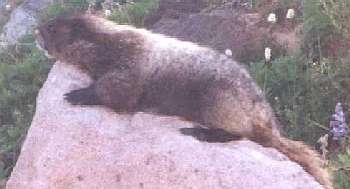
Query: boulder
(221, 29)
(174, 8)
(23, 20)
(223, 26)
(93, 147)
(218, 31)
(184, 6)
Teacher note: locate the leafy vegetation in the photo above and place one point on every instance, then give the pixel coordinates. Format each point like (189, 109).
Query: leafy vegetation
(65, 7)
(304, 88)
(22, 72)
(134, 13)
(342, 175)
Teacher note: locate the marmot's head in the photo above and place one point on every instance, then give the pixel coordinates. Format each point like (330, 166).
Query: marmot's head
(57, 34)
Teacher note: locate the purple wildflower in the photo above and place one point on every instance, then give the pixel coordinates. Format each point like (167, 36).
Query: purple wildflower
(337, 125)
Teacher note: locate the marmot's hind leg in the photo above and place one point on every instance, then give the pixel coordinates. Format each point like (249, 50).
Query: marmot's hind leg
(83, 96)
(209, 134)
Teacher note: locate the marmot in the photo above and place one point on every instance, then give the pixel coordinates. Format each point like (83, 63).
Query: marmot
(135, 70)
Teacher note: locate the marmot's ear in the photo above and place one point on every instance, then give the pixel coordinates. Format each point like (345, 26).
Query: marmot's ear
(76, 23)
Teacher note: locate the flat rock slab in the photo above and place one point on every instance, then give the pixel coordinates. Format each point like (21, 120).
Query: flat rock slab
(72, 147)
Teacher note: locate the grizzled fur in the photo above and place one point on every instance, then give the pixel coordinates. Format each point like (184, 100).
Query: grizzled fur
(136, 70)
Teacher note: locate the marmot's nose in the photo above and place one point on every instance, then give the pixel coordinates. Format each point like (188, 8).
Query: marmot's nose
(39, 41)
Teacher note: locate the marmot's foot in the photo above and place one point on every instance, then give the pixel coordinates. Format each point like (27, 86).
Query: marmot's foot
(84, 96)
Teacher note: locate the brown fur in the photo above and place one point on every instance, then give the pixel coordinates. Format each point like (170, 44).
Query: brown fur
(136, 70)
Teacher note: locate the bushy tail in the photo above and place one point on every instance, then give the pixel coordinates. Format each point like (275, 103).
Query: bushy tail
(306, 157)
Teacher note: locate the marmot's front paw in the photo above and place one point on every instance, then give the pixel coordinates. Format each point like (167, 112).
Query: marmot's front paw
(84, 96)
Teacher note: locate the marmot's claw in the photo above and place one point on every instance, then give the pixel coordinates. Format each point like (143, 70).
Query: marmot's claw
(74, 97)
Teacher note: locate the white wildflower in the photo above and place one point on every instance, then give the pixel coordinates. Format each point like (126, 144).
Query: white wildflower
(245, 5)
(8, 7)
(90, 8)
(290, 14)
(108, 12)
(267, 54)
(228, 52)
(276, 98)
(272, 18)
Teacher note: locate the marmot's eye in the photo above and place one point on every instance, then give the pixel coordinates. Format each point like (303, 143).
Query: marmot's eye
(51, 28)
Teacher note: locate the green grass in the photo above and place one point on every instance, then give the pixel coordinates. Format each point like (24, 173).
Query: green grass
(22, 73)
(67, 7)
(134, 13)
(342, 173)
